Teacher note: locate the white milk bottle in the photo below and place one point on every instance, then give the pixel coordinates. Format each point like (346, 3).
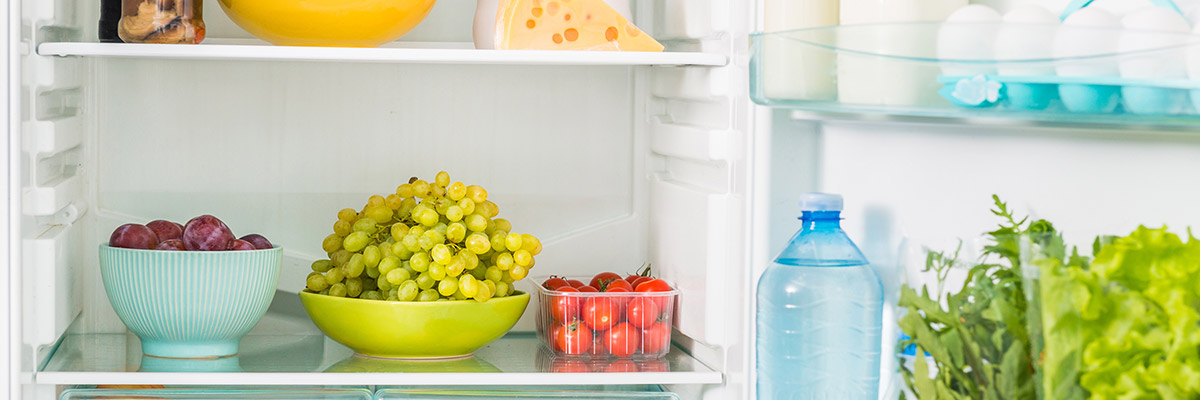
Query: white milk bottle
(792, 68)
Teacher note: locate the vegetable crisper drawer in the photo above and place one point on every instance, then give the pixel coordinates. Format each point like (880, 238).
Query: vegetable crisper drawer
(218, 393)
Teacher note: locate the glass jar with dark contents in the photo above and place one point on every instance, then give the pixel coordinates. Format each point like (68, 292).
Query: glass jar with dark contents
(110, 18)
(161, 21)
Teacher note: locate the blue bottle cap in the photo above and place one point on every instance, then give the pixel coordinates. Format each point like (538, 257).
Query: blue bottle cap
(820, 202)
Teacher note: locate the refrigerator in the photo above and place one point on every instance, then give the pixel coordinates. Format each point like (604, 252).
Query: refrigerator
(614, 160)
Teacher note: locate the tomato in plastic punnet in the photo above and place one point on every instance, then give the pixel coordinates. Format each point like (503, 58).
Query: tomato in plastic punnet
(602, 279)
(600, 313)
(623, 340)
(573, 338)
(643, 312)
(656, 338)
(563, 307)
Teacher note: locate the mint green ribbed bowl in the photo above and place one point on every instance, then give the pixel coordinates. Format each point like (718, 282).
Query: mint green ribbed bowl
(190, 304)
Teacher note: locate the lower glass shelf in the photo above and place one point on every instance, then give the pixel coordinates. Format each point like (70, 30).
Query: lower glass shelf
(516, 359)
(526, 393)
(309, 392)
(221, 393)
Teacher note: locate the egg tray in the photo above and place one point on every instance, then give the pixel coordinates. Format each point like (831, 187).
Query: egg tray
(1104, 95)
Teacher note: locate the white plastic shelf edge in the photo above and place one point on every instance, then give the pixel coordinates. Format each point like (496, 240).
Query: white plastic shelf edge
(399, 52)
(378, 378)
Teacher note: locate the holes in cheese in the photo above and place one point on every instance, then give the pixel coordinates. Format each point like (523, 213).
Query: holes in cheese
(551, 25)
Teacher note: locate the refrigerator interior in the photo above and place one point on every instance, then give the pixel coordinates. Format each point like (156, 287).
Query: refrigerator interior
(611, 166)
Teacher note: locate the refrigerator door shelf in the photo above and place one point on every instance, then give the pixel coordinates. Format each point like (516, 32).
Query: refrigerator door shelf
(924, 71)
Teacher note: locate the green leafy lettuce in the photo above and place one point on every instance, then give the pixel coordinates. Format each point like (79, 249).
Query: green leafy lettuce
(1127, 326)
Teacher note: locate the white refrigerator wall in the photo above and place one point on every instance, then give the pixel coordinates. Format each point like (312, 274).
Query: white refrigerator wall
(611, 166)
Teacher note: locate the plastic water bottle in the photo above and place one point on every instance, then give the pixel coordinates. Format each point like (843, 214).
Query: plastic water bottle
(819, 313)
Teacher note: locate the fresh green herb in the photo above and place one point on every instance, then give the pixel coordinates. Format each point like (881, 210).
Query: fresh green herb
(977, 337)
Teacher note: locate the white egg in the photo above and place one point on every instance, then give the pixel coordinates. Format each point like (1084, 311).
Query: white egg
(968, 34)
(1087, 32)
(1027, 34)
(1150, 30)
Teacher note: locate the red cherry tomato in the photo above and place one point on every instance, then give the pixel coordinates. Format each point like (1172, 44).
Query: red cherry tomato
(586, 288)
(641, 279)
(620, 301)
(653, 365)
(554, 283)
(552, 337)
(632, 278)
(623, 340)
(654, 285)
(617, 284)
(621, 366)
(600, 313)
(575, 283)
(564, 365)
(656, 338)
(598, 344)
(643, 312)
(602, 279)
(564, 308)
(573, 338)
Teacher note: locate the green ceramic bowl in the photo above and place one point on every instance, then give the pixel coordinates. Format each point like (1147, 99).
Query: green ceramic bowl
(190, 304)
(401, 329)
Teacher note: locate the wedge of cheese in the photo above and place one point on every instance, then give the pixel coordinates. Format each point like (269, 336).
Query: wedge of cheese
(567, 25)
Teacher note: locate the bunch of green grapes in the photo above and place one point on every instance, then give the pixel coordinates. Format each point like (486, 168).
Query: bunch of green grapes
(429, 241)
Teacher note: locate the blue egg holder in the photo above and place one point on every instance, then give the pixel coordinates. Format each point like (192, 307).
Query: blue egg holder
(1108, 95)
(1100, 95)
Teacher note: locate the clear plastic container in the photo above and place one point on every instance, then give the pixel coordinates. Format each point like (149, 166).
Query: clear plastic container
(1118, 321)
(217, 393)
(1053, 319)
(599, 324)
(162, 21)
(961, 308)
